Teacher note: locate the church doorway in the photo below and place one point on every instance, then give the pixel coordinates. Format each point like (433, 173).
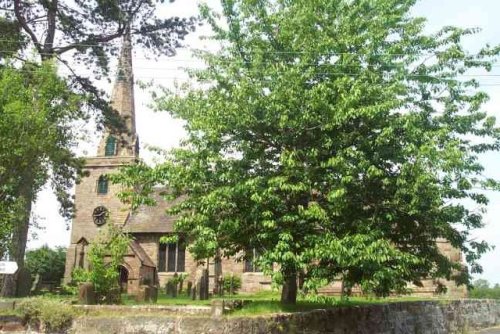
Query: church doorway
(123, 278)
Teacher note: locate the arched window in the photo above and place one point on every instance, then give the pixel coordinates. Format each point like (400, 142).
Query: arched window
(102, 185)
(110, 148)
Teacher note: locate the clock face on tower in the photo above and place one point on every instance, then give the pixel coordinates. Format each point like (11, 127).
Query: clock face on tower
(100, 215)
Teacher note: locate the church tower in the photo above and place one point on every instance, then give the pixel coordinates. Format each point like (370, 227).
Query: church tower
(96, 199)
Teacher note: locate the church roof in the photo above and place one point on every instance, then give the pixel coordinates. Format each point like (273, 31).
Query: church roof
(152, 219)
(141, 254)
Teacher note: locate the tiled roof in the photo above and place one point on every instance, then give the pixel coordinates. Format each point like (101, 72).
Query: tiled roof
(141, 254)
(152, 219)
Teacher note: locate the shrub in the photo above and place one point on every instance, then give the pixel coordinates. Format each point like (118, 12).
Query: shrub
(485, 293)
(50, 315)
(231, 281)
(105, 255)
(48, 263)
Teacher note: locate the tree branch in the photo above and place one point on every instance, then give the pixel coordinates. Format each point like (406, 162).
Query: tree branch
(89, 41)
(22, 21)
(48, 46)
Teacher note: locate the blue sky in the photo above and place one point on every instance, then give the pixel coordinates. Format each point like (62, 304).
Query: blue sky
(161, 130)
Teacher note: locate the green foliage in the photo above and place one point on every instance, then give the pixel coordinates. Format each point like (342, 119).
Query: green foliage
(485, 293)
(336, 137)
(37, 110)
(179, 279)
(47, 262)
(105, 256)
(481, 289)
(231, 283)
(481, 284)
(87, 30)
(55, 316)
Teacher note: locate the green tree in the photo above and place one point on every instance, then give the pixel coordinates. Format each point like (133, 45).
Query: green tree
(47, 262)
(481, 284)
(37, 110)
(337, 138)
(87, 30)
(105, 256)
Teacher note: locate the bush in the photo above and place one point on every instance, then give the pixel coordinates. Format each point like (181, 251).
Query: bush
(50, 315)
(231, 281)
(48, 263)
(485, 293)
(105, 255)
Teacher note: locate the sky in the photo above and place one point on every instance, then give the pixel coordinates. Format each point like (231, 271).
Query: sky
(159, 129)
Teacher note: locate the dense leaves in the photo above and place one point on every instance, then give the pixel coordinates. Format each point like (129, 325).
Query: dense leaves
(47, 262)
(105, 256)
(335, 137)
(86, 32)
(37, 111)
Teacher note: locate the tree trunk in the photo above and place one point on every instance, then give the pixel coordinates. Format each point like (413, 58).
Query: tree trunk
(19, 237)
(289, 291)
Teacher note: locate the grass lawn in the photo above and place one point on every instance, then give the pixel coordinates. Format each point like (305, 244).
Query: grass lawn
(264, 302)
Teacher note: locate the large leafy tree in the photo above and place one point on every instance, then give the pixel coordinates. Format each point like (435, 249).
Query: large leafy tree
(336, 138)
(47, 262)
(77, 34)
(37, 111)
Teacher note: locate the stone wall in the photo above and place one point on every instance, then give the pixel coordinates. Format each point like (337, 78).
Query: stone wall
(396, 318)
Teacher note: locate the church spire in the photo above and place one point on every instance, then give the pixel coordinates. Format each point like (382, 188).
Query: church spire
(122, 100)
(122, 97)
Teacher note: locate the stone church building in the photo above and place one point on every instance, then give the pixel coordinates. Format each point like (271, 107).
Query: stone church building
(148, 261)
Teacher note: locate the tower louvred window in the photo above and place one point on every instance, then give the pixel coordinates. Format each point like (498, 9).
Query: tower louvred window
(102, 185)
(110, 148)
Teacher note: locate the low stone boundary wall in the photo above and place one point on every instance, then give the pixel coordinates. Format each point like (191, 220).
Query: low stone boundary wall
(399, 318)
(436, 317)
(149, 309)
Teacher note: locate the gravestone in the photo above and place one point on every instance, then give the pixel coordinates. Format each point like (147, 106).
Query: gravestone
(193, 293)
(181, 283)
(202, 285)
(168, 288)
(153, 296)
(217, 308)
(220, 286)
(86, 294)
(35, 287)
(23, 282)
(144, 294)
(189, 287)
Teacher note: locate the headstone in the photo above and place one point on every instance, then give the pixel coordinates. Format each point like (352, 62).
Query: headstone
(169, 288)
(202, 285)
(189, 287)
(217, 308)
(35, 287)
(23, 282)
(181, 283)
(220, 286)
(175, 280)
(153, 294)
(206, 284)
(86, 294)
(193, 293)
(144, 294)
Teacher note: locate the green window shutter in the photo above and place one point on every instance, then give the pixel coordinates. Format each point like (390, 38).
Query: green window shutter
(110, 148)
(102, 185)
